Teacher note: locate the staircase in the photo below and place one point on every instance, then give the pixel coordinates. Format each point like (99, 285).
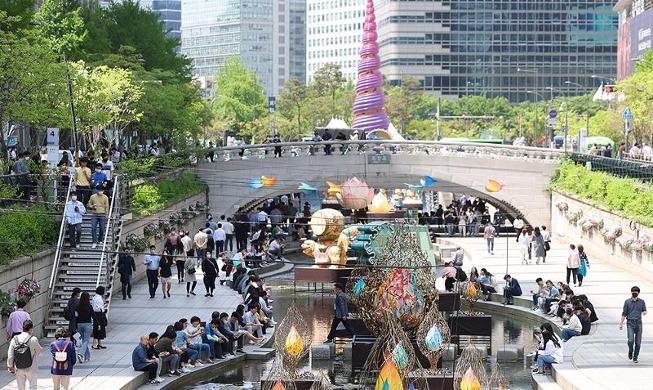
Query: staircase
(84, 267)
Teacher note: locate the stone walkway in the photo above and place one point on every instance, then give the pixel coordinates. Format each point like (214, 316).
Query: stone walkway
(111, 368)
(593, 362)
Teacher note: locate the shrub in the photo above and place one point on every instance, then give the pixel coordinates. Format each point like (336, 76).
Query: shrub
(629, 198)
(146, 200)
(25, 232)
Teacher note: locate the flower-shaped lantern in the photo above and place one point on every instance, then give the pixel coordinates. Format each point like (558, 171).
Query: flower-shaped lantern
(355, 194)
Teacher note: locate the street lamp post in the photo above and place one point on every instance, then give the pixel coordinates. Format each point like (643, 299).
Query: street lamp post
(536, 113)
(587, 107)
(563, 106)
(535, 72)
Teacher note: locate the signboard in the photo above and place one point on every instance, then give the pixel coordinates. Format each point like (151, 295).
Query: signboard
(378, 158)
(53, 155)
(53, 136)
(634, 37)
(553, 114)
(552, 122)
(628, 115)
(272, 104)
(565, 129)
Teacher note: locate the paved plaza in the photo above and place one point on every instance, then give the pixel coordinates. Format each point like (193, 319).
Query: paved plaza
(111, 368)
(593, 362)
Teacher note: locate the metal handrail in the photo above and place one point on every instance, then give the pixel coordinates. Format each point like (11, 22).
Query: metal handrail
(57, 255)
(106, 229)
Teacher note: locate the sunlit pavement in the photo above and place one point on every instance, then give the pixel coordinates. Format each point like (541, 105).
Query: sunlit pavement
(597, 361)
(111, 368)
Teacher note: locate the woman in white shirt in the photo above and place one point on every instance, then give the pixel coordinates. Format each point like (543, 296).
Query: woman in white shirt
(100, 326)
(524, 241)
(549, 349)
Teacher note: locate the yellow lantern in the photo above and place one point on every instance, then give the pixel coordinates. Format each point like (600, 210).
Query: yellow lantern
(470, 381)
(294, 343)
(471, 291)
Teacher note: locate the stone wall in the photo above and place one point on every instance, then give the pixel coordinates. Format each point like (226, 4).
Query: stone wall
(38, 267)
(592, 240)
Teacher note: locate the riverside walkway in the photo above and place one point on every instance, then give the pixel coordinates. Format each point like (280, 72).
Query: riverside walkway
(111, 368)
(594, 362)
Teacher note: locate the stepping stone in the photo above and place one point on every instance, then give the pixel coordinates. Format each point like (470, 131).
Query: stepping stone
(323, 351)
(509, 353)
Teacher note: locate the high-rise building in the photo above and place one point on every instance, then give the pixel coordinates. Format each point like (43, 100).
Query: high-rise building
(169, 13)
(334, 32)
(263, 33)
(635, 24)
(298, 39)
(474, 47)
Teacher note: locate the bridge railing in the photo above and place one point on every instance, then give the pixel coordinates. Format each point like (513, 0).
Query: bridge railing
(435, 148)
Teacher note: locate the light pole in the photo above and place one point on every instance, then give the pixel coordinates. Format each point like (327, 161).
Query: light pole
(563, 106)
(535, 72)
(536, 113)
(587, 106)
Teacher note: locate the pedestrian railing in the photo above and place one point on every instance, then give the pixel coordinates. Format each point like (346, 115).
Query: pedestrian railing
(635, 169)
(112, 219)
(410, 147)
(60, 243)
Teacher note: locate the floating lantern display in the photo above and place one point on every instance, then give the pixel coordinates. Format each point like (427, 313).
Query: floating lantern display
(294, 343)
(389, 376)
(399, 356)
(279, 386)
(359, 287)
(433, 337)
(470, 381)
(470, 373)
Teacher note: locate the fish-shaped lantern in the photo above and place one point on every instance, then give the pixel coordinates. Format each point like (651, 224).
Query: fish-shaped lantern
(294, 342)
(493, 186)
(470, 381)
(262, 181)
(434, 338)
(389, 378)
(399, 356)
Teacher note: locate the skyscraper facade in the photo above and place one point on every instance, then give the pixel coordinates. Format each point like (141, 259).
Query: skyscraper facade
(635, 38)
(263, 33)
(334, 32)
(474, 47)
(169, 13)
(492, 48)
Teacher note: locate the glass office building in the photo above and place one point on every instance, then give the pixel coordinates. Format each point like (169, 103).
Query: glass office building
(523, 50)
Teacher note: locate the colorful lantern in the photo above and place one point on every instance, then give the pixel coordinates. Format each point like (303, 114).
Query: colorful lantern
(389, 378)
(493, 186)
(434, 338)
(470, 381)
(359, 287)
(399, 356)
(411, 386)
(355, 194)
(294, 343)
(380, 203)
(471, 291)
(279, 386)
(400, 296)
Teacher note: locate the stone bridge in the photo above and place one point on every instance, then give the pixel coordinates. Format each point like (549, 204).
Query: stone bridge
(458, 168)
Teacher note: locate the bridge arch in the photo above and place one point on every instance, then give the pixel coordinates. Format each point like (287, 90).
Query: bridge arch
(525, 179)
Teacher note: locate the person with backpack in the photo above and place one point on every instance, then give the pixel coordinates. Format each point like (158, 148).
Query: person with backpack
(21, 356)
(63, 359)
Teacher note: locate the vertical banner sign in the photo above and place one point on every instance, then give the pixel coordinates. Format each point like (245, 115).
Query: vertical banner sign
(272, 104)
(53, 147)
(53, 136)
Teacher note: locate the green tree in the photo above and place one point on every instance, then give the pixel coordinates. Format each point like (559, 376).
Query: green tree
(293, 101)
(401, 100)
(327, 80)
(22, 12)
(239, 96)
(61, 24)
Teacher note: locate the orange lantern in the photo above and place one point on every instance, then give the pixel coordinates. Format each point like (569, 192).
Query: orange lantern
(470, 381)
(294, 343)
(279, 386)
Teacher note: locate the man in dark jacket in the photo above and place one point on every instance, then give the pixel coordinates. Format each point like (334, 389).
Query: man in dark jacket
(342, 312)
(224, 327)
(126, 268)
(512, 289)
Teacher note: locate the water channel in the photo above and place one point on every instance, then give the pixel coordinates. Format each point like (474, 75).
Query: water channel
(317, 309)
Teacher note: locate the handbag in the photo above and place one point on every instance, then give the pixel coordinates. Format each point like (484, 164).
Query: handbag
(582, 270)
(191, 271)
(547, 247)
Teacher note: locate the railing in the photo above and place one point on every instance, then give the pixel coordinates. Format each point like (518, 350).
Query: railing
(294, 149)
(57, 255)
(110, 217)
(636, 169)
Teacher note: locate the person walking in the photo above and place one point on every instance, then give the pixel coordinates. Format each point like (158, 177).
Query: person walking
(210, 269)
(229, 230)
(201, 241)
(341, 313)
(219, 238)
(633, 310)
(518, 224)
(69, 314)
(64, 359)
(21, 356)
(584, 265)
(126, 269)
(488, 234)
(547, 241)
(191, 278)
(152, 261)
(537, 245)
(74, 212)
(83, 180)
(524, 246)
(100, 319)
(16, 319)
(99, 206)
(84, 318)
(573, 263)
(165, 273)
